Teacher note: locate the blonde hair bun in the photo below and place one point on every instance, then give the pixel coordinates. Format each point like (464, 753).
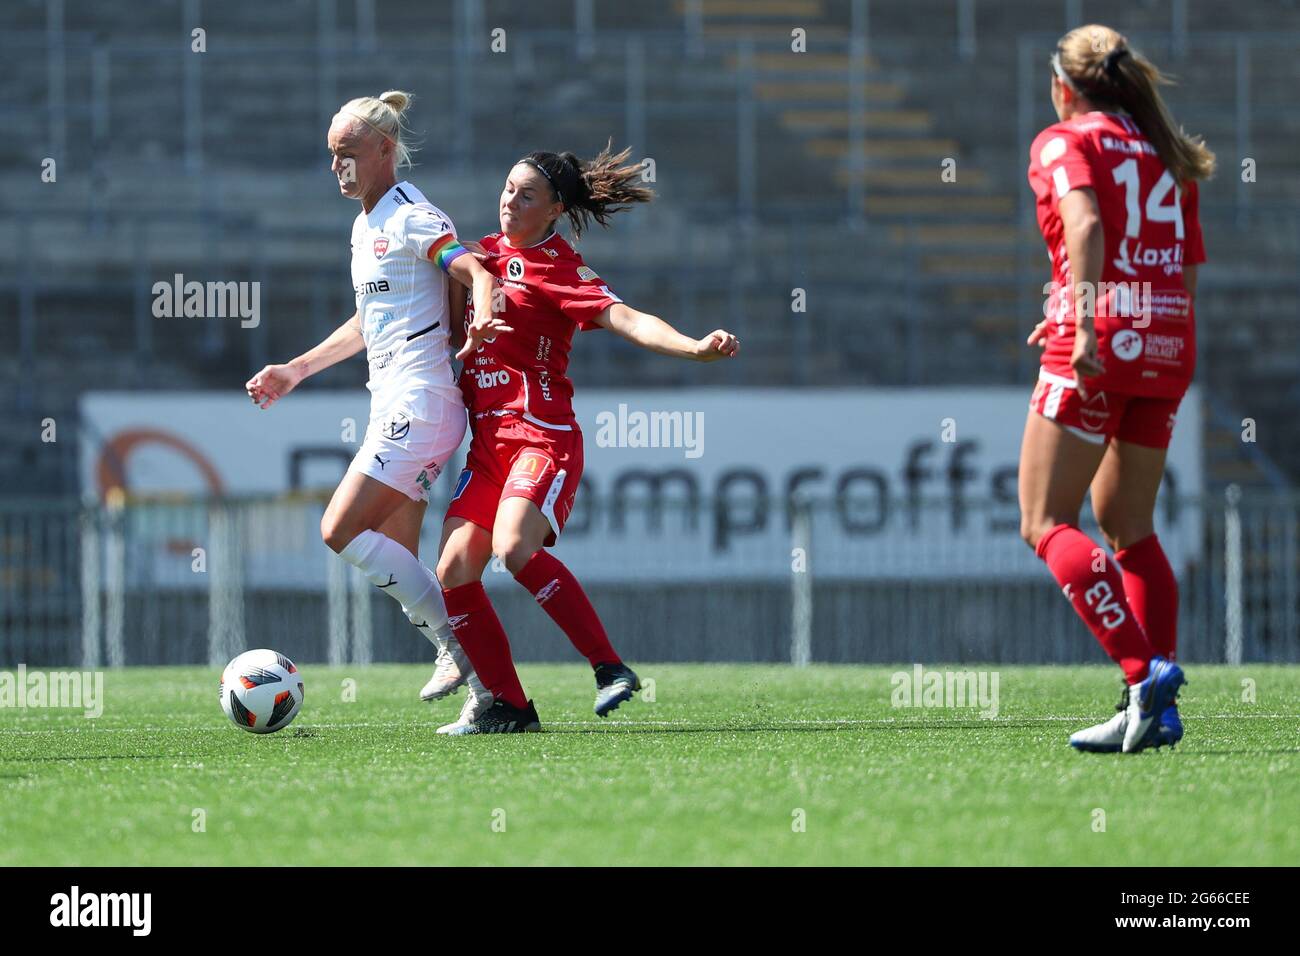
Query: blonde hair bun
(383, 114)
(399, 100)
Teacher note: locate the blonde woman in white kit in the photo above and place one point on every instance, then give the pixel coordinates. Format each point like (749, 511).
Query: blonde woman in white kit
(403, 250)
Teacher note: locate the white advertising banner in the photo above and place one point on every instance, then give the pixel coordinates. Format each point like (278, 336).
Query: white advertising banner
(693, 484)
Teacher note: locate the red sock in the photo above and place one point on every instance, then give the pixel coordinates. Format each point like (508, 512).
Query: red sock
(1152, 593)
(562, 597)
(475, 624)
(1097, 596)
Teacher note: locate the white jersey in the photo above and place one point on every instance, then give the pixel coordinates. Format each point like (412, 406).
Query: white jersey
(400, 251)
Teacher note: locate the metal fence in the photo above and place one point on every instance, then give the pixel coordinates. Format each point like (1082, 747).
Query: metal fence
(131, 585)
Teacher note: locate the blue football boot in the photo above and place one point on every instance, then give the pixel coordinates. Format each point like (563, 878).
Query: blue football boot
(1148, 701)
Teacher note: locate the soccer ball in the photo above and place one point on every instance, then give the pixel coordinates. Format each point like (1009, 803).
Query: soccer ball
(261, 691)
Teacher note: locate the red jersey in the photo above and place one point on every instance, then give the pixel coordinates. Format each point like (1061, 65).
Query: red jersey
(549, 293)
(1146, 332)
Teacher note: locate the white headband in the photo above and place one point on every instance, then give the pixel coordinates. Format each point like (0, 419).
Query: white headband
(1060, 73)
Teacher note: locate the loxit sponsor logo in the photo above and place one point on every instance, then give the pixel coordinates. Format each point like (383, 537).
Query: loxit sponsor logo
(633, 428)
(74, 690)
(1169, 259)
(130, 910)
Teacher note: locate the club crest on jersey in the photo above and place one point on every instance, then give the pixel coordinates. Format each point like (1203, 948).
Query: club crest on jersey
(515, 269)
(381, 247)
(1126, 345)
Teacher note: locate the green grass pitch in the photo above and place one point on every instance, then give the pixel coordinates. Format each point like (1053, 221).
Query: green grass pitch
(729, 764)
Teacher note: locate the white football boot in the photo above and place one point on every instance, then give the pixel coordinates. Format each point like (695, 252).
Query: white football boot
(477, 700)
(451, 669)
(1107, 737)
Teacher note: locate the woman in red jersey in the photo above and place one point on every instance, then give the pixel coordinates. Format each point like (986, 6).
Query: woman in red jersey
(525, 457)
(1116, 188)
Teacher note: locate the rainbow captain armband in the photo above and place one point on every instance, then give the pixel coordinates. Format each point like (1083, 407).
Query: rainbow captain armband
(445, 250)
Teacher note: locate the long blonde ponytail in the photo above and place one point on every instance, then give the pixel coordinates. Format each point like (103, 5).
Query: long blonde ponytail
(1102, 66)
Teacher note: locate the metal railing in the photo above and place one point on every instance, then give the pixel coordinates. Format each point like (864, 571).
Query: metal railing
(190, 581)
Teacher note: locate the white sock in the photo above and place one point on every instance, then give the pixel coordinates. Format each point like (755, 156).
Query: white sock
(399, 574)
(477, 687)
(437, 635)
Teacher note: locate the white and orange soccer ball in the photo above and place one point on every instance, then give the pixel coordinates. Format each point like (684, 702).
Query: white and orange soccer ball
(261, 691)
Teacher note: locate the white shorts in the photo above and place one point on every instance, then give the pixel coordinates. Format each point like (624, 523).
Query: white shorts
(408, 453)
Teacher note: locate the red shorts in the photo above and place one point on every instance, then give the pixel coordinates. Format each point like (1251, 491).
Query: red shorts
(512, 458)
(1105, 415)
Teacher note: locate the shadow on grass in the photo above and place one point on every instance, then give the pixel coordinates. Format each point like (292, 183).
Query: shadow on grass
(87, 757)
(787, 729)
(1271, 752)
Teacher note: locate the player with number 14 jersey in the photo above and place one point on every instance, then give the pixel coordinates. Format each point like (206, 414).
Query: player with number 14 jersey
(1144, 317)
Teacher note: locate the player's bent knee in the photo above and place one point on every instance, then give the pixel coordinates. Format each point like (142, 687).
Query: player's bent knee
(1111, 536)
(1125, 536)
(329, 533)
(336, 534)
(513, 551)
(1120, 530)
(1034, 528)
(455, 570)
(461, 562)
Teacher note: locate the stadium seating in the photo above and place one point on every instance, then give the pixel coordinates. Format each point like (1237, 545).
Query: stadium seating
(925, 282)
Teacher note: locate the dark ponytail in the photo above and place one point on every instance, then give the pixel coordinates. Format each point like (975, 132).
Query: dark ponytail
(594, 189)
